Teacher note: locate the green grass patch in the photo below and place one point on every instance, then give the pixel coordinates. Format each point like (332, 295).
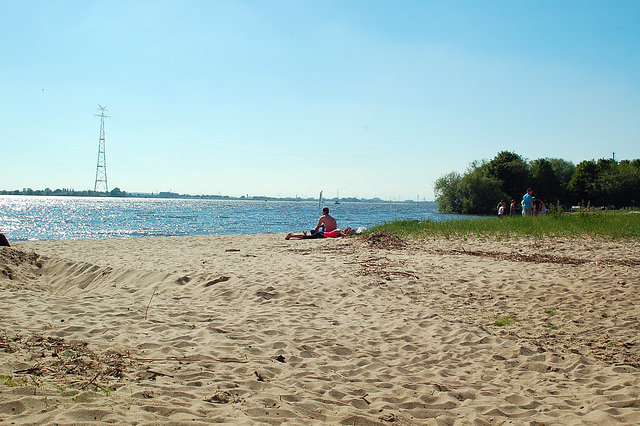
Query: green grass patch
(609, 225)
(505, 320)
(12, 383)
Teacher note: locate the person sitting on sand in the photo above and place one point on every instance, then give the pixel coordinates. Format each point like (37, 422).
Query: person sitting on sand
(326, 221)
(329, 234)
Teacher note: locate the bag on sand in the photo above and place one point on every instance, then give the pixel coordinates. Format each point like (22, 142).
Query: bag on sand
(3, 241)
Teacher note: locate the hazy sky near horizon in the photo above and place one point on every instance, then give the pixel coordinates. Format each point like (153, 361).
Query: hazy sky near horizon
(285, 98)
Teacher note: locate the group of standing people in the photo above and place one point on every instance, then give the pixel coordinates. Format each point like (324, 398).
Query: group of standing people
(532, 206)
(529, 206)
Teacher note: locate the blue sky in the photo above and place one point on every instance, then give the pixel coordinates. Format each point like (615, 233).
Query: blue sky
(284, 98)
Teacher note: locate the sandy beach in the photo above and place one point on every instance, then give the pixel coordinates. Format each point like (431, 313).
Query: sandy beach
(253, 329)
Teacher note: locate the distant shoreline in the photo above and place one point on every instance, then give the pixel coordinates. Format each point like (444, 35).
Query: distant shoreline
(172, 195)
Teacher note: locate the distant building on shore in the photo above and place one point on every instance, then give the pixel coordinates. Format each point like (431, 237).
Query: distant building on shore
(169, 195)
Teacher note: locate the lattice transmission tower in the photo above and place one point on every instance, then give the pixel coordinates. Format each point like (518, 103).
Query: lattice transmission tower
(101, 168)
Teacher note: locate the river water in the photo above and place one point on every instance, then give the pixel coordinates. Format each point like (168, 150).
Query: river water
(65, 218)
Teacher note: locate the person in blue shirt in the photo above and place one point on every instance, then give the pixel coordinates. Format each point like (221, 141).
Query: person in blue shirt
(527, 203)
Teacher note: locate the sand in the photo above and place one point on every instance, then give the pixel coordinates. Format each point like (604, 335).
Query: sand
(253, 329)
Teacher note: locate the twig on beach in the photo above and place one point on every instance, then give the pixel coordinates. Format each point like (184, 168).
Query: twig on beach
(385, 240)
(172, 358)
(146, 313)
(377, 266)
(338, 374)
(217, 280)
(375, 259)
(185, 359)
(241, 361)
(91, 382)
(407, 274)
(157, 373)
(71, 363)
(540, 258)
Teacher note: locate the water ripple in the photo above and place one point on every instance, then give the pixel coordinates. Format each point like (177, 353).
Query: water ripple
(65, 218)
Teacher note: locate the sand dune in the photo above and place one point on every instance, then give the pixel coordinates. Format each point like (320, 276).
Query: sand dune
(254, 329)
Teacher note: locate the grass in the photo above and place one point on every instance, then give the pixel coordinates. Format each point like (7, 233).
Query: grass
(609, 225)
(64, 390)
(11, 382)
(505, 320)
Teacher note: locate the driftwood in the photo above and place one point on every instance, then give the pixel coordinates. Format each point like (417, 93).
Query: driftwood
(539, 258)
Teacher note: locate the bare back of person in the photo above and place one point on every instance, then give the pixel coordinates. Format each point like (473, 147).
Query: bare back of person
(327, 221)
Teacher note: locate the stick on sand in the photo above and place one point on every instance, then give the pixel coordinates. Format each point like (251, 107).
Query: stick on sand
(146, 313)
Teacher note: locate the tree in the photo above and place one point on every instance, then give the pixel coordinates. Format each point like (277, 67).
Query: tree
(607, 190)
(480, 193)
(564, 171)
(584, 182)
(601, 183)
(447, 193)
(606, 183)
(545, 181)
(473, 193)
(629, 176)
(116, 192)
(512, 171)
(618, 184)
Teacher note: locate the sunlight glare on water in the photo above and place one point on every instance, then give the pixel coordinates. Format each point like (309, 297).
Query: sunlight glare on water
(64, 218)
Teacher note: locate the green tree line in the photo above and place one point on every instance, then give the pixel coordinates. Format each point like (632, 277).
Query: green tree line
(65, 192)
(605, 182)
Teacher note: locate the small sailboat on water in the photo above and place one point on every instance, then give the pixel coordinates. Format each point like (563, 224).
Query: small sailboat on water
(338, 197)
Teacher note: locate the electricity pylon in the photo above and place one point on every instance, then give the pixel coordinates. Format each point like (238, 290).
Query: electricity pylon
(101, 168)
